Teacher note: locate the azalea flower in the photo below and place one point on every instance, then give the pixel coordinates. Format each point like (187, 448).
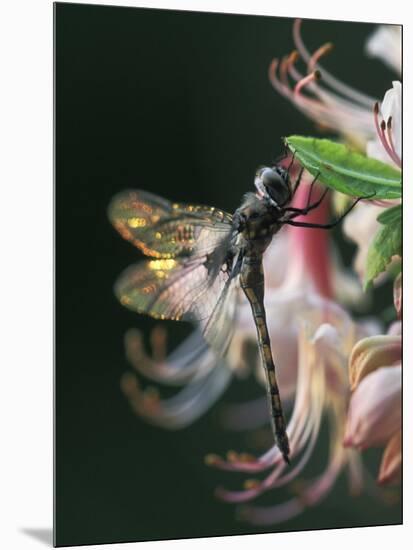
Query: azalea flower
(332, 104)
(374, 417)
(361, 224)
(387, 145)
(335, 106)
(355, 116)
(375, 366)
(322, 391)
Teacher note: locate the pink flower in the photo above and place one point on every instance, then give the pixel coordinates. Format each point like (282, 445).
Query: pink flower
(332, 104)
(374, 417)
(375, 407)
(361, 224)
(322, 389)
(356, 117)
(387, 145)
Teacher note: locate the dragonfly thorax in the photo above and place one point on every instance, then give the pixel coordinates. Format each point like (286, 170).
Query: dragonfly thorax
(256, 221)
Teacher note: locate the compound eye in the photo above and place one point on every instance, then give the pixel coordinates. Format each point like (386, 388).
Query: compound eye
(276, 184)
(270, 177)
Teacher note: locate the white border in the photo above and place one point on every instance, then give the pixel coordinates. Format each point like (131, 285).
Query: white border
(27, 277)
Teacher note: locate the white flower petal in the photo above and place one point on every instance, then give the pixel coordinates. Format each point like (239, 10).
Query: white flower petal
(391, 107)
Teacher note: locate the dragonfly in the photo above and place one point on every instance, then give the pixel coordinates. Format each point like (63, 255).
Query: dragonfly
(199, 257)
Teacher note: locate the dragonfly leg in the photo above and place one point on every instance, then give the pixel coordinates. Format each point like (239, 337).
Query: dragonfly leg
(327, 225)
(252, 283)
(297, 181)
(308, 208)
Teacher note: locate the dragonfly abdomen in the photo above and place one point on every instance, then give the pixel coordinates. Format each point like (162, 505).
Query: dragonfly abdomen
(252, 283)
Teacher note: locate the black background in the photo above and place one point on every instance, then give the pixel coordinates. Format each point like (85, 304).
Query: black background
(178, 103)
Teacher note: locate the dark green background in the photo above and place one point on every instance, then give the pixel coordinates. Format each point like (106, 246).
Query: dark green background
(178, 103)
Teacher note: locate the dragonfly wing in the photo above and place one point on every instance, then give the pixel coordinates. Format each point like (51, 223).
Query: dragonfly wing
(188, 279)
(219, 327)
(179, 289)
(162, 229)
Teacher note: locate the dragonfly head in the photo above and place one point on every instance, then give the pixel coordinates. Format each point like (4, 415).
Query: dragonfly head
(273, 184)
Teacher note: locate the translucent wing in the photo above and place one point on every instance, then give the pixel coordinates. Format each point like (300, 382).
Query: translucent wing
(162, 229)
(219, 327)
(189, 278)
(166, 288)
(183, 289)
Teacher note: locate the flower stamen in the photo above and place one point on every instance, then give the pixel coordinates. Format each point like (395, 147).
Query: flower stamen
(312, 77)
(343, 89)
(390, 139)
(318, 54)
(381, 132)
(285, 62)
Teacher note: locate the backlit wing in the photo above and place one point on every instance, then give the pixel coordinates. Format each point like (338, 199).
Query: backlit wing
(219, 327)
(162, 229)
(183, 289)
(188, 277)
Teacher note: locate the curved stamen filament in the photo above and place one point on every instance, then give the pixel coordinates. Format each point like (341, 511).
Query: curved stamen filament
(312, 77)
(381, 132)
(274, 80)
(318, 54)
(290, 62)
(327, 108)
(182, 408)
(284, 71)
(296, 75)
(390, 139)
(282, 512)
(336, 84)
(330, 101)
(304, 432)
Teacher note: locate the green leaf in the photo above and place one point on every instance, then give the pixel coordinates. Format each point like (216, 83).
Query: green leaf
(390, 215)
(386, 244)
(347, 171)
